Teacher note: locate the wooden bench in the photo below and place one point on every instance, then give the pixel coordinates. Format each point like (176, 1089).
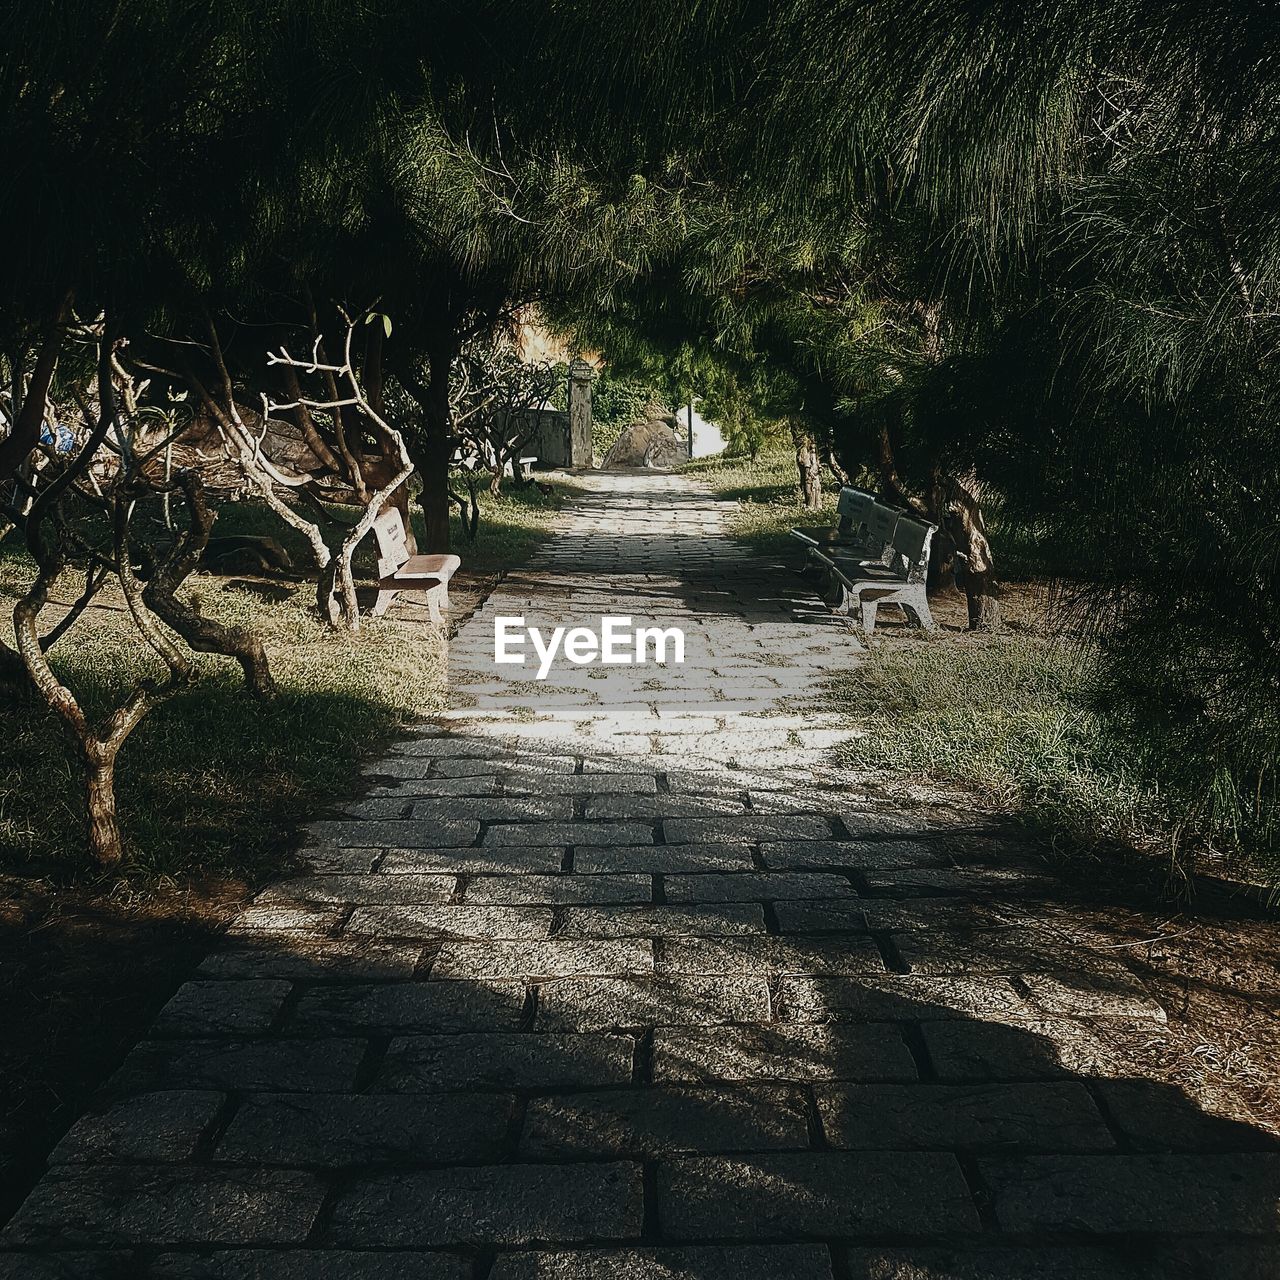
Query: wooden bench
(898, 578)
(399, 571)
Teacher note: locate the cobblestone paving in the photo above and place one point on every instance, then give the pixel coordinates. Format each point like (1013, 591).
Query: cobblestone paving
(613, 977)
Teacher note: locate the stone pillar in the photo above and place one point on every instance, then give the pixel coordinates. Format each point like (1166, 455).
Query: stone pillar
(581, 376)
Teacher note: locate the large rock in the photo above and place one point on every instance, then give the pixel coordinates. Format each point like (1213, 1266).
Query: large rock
(654, 443)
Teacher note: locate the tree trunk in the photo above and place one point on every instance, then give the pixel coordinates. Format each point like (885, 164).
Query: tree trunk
(28, 417)
(436, 451)
(105, 845)
(808, 465)
(892, 490)
(975, 564)
(942, 557)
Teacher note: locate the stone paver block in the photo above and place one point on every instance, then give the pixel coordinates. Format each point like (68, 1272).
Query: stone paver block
(582, 1004)
(593, 833)
(715, 919)
(409, 1006)
(426, 1064)
(222, 1008)
(1036, 1049)
(584, 784)
(408, 833)
(299, 917)
(534, 890)
(337, 861)
(666, 1119)
(755, 886)
(1051, 1116)
(510, 769)
(790, 855)
(663, 858)
(555, 959)
(682, 782)
(309, 1264)
(747, 827)
(900, 997)
(74, 1205)
(415, 786)
(451, 921)
(777, 1197)
(353, 1129)
(870, 1051)
(374, 890)
(494, 809)
(707, 1262)
(936, 913)
(496, 1204)
(152, 1127)
(1050, 1262)
(451, 745)
(868, 824)
(116, 1264)
(664, 807)
(849, 955)
(1160, 1117)
(1119, 1194)
(815, 916)
(319, 1065)
(984, 881)
(1006, 949)
(328, 959)
(515, 861)
(1079, 994)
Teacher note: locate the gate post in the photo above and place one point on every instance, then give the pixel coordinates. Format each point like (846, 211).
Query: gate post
(581, 376)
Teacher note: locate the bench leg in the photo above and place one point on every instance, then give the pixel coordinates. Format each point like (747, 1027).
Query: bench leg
(869, 610)
(433, 605)
(842, 603)
(917, 610)
(381, 604)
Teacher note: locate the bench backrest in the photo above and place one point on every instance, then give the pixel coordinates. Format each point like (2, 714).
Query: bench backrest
(911, 540)
(881, 521)
(393, 549)
(852, 509)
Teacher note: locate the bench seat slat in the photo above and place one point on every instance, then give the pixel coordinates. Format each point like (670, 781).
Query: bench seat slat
(439, 567)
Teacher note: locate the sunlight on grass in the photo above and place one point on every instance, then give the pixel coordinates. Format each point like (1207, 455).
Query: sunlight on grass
(768, 493)
(212, 781)
(1009, 716)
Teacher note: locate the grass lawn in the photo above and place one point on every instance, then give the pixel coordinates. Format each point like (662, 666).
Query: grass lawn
(1011, 717)
(768, 493)
(213, 781)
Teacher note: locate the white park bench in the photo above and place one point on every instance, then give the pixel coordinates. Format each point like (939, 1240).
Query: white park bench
(399, 571)
(898, 577)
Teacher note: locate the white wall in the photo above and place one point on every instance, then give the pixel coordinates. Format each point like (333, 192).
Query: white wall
(706, 435)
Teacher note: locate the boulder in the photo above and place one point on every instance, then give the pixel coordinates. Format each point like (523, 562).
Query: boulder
(654, 443)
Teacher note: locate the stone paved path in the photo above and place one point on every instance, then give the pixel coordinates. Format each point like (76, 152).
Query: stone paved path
(612, 977)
